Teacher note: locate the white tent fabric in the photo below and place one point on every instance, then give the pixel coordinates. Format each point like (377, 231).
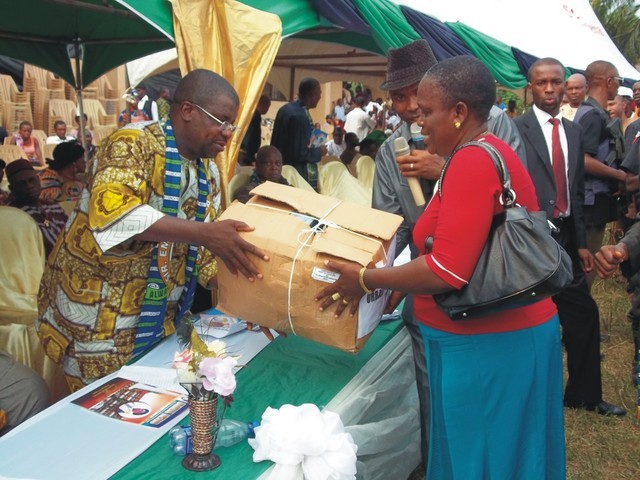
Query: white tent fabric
(151, 65)
(568, 30)
(293, 54)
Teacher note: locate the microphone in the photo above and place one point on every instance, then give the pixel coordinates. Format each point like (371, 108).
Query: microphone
(401, 148)
(416, 137)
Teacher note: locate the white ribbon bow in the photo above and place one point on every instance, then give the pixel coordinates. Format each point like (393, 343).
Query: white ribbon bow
(305, 443)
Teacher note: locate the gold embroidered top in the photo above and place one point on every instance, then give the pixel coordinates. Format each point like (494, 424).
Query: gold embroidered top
(95, 278)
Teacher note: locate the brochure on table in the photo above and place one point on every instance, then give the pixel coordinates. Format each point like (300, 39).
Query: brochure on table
(135, 402)
(100, 446)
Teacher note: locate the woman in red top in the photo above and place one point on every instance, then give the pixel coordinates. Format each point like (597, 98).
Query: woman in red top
(496, 381)
(29, 145)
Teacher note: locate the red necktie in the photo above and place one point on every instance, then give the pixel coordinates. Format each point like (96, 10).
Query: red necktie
(559, 172)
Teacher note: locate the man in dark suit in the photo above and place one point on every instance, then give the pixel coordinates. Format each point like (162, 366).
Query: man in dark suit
(560, 190)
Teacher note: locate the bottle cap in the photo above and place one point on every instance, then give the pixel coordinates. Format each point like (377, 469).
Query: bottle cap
(252, 426)
(416, 131)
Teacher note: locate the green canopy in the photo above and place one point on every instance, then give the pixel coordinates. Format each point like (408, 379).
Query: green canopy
(496, 55)
(108, 33)
(388, 26)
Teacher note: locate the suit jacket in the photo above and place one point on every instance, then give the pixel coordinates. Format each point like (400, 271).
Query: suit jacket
(539, 166)
(632, 240)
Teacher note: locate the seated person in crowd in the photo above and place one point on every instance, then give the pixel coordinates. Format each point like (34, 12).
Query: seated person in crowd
(75, 132)
(29, 145)
(24, 186)
(268, 167)
(336, 146)
(369, 148)
(62, 180)
(328, 124)
(23, 393)
(61, 134)
(350, 155)
(88, 139)
(3, 195)
(132, 114)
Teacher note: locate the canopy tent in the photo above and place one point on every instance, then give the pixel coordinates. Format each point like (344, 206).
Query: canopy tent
(106, 33)
(569, 30)
(367, 28)
(236, 41)
(297, 58)
(79, 40)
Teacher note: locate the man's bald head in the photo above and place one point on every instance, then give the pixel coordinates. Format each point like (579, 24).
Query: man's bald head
(576, 89)
(204, 109)
(603, 78)
(204, 87)
(598, 71)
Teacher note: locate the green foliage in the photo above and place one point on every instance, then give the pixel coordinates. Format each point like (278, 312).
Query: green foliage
(509, 95)
(620, 19)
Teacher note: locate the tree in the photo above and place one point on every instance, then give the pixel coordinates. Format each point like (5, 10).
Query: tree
(620, 19)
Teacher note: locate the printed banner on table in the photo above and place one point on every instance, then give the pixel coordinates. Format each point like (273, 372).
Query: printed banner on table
(134, 402)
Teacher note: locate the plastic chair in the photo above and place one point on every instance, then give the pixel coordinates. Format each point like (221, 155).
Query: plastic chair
(328, 158)
(295, 179)
(365, 171)
(244, 169)
(9, 153)
(335, 181)
(239, 180)
(47, 150)
(15, 106)
(60, 110)
(21, 269)
(39, 135)
(98, 116)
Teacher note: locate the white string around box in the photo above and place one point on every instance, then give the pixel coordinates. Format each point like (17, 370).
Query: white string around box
(316, 229)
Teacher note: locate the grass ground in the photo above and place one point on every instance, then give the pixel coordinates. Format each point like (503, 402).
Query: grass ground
(605, 448)
(599, 447)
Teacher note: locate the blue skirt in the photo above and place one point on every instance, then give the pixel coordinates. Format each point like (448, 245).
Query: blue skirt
(496, 404)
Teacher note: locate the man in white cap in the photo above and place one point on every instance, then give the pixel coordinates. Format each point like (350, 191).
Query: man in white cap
(620, 107)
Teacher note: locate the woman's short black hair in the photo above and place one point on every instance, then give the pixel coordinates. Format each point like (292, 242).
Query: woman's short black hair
(464, 79)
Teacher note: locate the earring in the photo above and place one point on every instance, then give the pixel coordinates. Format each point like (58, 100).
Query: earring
(457, 124)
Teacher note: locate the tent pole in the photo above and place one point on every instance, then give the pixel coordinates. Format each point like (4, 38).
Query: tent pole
(292, 79)
(79, 88)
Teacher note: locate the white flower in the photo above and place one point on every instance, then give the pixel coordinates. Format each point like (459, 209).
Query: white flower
(218, 375)
(218, 347)
(186, 375)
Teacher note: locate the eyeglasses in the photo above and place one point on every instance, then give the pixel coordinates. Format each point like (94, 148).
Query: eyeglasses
(224, 126)
(619, 79)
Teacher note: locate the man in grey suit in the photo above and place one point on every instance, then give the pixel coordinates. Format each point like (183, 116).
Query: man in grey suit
(560, 189)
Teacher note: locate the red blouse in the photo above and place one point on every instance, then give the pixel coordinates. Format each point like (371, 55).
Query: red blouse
(459, 223)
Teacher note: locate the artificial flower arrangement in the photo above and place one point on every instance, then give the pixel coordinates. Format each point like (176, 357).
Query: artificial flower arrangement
(205, 370)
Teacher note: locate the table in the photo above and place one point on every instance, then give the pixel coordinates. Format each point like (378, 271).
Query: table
(373, 392)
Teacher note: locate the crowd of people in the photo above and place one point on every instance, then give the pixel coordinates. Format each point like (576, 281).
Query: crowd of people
(574, 154)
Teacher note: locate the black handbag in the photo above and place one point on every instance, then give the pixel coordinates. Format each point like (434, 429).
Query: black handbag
(521, 262)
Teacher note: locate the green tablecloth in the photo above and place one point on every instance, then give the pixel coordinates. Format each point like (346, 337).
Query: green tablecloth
(288, 371)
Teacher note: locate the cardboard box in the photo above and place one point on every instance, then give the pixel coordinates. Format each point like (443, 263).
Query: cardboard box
(284, 219)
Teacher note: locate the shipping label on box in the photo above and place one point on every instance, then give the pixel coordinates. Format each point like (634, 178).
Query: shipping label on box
(299, 230)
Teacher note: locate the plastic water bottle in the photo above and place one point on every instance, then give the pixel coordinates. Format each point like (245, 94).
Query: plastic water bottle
(230, 433)
(180, 440)
(234, 431)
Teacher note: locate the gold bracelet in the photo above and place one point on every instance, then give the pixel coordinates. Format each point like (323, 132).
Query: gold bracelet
(362, 284)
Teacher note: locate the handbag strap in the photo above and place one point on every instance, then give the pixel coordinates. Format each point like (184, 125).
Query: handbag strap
(508, 196)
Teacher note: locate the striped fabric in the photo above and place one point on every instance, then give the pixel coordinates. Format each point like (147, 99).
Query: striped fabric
(150, 326)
